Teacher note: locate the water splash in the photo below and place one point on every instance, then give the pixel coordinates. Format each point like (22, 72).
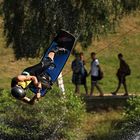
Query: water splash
(131, 135)
(137, 136)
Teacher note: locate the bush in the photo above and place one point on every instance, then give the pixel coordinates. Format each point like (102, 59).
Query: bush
(53, 117)
(130, 126)
(132, 111)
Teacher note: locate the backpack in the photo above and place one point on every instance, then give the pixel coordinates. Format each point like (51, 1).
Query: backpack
(100, 74)
(128, 70)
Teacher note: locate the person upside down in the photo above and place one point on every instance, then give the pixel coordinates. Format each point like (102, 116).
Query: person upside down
(34, 74)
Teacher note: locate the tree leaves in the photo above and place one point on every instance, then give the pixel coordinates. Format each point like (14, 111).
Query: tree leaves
(28, 25)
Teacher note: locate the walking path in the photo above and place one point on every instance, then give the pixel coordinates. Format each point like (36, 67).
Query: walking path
(106, 102)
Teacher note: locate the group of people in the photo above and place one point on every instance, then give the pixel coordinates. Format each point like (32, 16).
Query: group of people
(80, 74)
(36, 74)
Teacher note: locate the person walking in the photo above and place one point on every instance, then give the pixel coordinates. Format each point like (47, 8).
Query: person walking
(95, 68)
(84, 73)
(76, 67)
(123, 71)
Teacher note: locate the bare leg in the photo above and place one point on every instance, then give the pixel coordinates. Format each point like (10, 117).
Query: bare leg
(25, 99)
(30, 101)
(125, 87)
(119, 85)
(99, 89)
(77, 88)
(51, 55)
(92, 87)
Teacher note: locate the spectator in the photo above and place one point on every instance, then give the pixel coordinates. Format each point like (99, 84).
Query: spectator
(79, 73)
(84, 73)
(94, 74)
(121, 74)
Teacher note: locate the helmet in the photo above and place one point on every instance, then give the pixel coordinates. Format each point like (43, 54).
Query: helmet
(18, 92)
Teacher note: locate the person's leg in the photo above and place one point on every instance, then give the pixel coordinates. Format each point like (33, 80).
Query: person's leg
(85, 84)
(118, 87)
(28, 100)
(51, 55)
(125, 87)
(99, 89)
(77, 88)
(86, 88)
(92, 87)
(39, 68)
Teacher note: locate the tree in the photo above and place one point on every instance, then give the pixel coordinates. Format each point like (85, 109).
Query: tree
(28, 25)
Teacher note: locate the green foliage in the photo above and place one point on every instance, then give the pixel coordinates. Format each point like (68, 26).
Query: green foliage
(29, 24)
(129, 127)
(132, 111)
(55, 116)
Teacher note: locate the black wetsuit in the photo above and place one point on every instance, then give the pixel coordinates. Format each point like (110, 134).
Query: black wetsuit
(37, 70)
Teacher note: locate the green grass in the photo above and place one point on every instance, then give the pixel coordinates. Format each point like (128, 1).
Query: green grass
(99, 126)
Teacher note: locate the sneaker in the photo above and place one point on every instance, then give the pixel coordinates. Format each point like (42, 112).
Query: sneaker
(101, 95)
(113, 93)
(126, 94)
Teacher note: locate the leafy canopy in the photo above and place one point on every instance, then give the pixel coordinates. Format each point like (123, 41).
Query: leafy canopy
(28, 25)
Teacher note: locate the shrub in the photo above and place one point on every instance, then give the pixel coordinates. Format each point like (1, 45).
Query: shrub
(54, 117)
(132, 111)
(130, 126)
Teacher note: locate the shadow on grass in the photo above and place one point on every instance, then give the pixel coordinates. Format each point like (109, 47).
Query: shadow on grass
(121, 130)
(112, 132)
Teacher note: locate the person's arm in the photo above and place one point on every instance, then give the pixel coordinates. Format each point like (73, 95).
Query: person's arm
(36, 83)
(28, 78)
(21, 78)
(38, 94)
(28, 100)
(72, 65)
(97, 64)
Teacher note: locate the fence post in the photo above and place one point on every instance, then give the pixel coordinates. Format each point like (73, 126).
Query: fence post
(61, 83)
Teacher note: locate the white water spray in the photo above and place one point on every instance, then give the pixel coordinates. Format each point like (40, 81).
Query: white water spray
(137, 136)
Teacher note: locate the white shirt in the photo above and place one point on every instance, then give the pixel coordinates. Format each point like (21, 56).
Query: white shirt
(94, 67)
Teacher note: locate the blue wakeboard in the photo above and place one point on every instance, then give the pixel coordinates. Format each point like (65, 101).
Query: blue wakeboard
(65, 40)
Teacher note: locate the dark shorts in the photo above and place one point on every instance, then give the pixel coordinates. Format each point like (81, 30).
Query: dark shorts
(94, 78)
(76, 78)
(39, 68)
